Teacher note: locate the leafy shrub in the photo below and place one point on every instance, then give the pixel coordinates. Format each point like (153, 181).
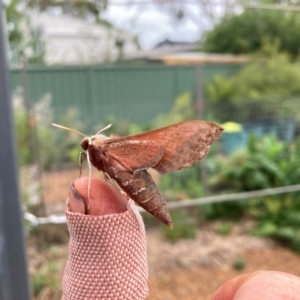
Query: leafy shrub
(182, 185)
(224, 210)
(266, 163)
(265, 87)
(282, 224)
(38, 142)
(246, 32)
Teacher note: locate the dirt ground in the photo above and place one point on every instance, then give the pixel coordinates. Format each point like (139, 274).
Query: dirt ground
(187, 269)
(195, 269)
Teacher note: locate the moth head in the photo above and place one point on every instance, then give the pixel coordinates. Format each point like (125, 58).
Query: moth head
(85, 143)
(87, 140)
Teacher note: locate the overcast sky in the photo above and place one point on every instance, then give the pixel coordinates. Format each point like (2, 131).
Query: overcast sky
(153, 23)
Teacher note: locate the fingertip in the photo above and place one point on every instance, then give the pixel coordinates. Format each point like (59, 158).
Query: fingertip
(229, 289)
(101, 198)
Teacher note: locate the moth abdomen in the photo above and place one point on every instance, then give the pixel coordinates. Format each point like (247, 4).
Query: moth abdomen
(141, 188)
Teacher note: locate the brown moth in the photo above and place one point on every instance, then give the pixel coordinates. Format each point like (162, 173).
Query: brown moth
(126, 159)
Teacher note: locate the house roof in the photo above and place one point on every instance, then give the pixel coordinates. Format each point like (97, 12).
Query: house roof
(188, 58)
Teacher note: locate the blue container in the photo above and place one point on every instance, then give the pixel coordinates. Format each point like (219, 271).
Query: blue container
(288, 130)
(233, 141)
(254, 128)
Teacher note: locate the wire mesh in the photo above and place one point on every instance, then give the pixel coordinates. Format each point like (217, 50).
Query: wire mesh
(49, 157)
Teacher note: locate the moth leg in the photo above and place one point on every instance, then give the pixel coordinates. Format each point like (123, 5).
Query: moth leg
(80, 162)
(113, 183)
(109, 179)
(90, 177)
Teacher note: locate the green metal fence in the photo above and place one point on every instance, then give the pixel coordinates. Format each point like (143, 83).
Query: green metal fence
(136, 94)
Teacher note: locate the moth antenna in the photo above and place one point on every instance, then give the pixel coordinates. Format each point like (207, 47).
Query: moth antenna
(108, 126)
(106, 176)
(90, 178)
(67, 128)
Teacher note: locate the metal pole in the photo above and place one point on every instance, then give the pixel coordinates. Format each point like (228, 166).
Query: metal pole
(13, 266)
(199, 92)
(200, 113)
(33, 143)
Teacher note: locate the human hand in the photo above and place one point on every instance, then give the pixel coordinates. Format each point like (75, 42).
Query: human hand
(107, 248)
(260, 285)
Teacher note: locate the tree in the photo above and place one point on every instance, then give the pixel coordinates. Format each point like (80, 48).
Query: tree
(207, 14)
(245, 33)
(267, 86)
(78, 8)
(25, 43)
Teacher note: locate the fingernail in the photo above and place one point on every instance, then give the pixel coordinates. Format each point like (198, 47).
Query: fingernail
(76, 203)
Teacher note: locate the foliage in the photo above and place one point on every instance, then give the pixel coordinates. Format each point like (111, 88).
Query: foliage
(46, 277)
(266, 163)
(84, 9)
(239, 264)
(263, 85)
(225, 228)
(181, 111)
(14, 21)
(41, 281)
(22, 130)
(184, 227)
(65, 143)
(224, 210)
(275, 76)
(49, 234)
(182, 185)
(26, 129)
(38, 142)
(245, 33)
(26, 43)
(279, 218)
(122, 127)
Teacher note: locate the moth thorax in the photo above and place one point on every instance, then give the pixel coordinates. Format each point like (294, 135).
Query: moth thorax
(84, 143)
(102, 137)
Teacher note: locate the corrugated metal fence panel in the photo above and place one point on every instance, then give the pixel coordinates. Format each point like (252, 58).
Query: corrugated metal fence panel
(68, 87)
(209, 71)
(186, 80)
(136, 94)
